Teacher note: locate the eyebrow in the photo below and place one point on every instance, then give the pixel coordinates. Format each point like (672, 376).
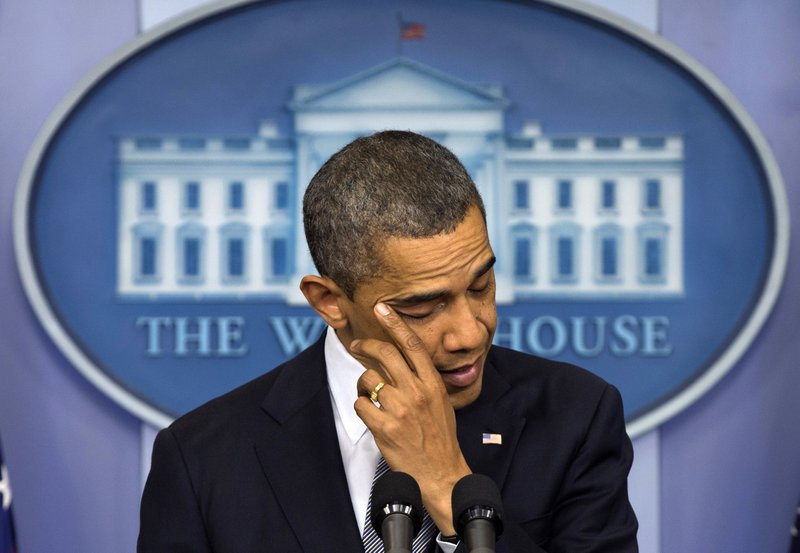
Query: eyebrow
(424, 297)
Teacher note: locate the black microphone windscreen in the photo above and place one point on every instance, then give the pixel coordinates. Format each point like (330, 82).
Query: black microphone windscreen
(396, 488)
(476, 490)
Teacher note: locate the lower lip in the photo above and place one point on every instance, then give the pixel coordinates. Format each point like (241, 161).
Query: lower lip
(462, 378)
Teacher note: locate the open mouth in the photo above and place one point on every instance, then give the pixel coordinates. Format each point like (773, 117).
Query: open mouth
(462, 376)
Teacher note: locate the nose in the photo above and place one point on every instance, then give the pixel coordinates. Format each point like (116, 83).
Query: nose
(465, 331)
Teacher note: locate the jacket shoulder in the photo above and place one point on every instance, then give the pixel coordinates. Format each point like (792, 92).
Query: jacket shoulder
(519, 368)
(554, 389)
(236, 409)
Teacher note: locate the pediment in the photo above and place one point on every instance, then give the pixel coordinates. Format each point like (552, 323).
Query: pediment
(398, 84)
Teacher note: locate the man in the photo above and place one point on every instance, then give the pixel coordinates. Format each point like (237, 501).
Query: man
(285, 463)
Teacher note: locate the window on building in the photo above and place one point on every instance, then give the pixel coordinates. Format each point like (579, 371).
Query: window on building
(236, 143)
(566, 260)
(609, 257)
(147, 252)
(564, 194)
(565, 253)
(652, 195)
(148, 143)
(191, 257)
(523, 241)
(608, 200)
(564, 143)
(607, 143)
(192, 144)
(521, 195)
(191, 197)
(652, 142)
(277, 253)
(147, 259)
(236, 196)
(607, 241)
(235, 257)
(653, 257)
(282, 195)
(234, 253)
(280, 252)
(190, 240)
(148, 201)
(519, 143)
(653, 253)
(522, 257)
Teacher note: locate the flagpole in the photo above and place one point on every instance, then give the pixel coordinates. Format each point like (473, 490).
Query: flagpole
(399, 35)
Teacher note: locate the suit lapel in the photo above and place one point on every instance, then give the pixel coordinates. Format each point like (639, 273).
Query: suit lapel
(299, 453)
(299, 450)
(492, 413)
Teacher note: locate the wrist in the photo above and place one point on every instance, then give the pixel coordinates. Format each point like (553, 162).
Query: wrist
(440, 506)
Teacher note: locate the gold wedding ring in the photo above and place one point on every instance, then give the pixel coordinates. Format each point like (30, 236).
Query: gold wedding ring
(373, 395)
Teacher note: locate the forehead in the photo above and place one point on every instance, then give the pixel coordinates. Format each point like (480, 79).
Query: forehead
(416, 264)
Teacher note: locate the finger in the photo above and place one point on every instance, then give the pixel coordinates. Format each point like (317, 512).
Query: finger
(369, 413)
(410, 345)
(388, 356)
(369, 361)
(369, 382)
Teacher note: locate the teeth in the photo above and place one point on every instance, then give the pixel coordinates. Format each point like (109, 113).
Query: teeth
(464, 368)
(459, 369)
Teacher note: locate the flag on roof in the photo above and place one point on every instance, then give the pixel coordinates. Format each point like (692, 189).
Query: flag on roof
(411, 30)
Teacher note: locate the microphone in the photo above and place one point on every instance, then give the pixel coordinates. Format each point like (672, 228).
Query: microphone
(396, 511)
(477, 512)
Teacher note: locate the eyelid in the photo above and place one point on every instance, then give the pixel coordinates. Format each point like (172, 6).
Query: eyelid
(421, 316)
(479, 287)
(414, 317)
(476, 287)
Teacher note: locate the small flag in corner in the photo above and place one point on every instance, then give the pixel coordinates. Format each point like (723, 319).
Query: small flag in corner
(496, 439)
(7, 539)
(411, 30)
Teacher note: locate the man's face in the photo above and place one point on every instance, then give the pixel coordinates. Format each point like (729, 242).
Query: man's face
(443, 287)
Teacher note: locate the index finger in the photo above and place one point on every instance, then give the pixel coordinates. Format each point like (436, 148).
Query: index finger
(406, 340)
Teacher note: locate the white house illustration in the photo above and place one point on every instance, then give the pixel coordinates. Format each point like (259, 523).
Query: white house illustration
(593, 216)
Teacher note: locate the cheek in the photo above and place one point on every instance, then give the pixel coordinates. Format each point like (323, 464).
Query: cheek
(364, 326)
(487, 315)
(431, 338)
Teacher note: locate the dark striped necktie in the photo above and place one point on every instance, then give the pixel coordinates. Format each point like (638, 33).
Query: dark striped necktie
(373, 544)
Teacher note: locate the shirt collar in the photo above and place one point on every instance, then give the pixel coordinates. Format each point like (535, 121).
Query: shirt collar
(343, 374)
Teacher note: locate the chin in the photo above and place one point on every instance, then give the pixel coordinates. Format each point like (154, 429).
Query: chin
(465, 396)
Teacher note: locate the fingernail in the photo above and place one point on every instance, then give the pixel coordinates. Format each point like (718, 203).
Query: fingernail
(382, 309)
(354, 343)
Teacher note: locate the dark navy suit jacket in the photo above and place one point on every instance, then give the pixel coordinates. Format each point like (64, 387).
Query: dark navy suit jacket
(258, 470)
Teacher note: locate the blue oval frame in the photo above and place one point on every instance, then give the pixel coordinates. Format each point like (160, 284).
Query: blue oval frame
(713, 367)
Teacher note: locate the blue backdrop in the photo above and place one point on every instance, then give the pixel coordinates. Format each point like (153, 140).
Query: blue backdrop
(730, 465)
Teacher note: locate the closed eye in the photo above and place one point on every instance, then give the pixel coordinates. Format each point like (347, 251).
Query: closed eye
(479, 289)
(482, 284)
(414, 317)
(423, 314)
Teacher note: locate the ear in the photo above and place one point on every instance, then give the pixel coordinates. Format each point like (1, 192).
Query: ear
(325, 297)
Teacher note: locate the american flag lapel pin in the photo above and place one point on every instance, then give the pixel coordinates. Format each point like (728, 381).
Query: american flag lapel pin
(496, 439)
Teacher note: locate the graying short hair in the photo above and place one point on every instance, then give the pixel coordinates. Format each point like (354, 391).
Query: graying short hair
(390, 184)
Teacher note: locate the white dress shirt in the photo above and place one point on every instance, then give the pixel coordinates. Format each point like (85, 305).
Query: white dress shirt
(360, 455)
